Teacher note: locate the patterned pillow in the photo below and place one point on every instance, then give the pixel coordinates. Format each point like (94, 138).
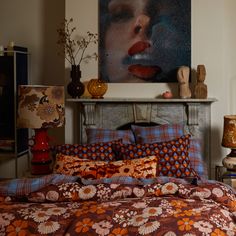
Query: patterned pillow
(137, 168)
(74, 166)
(97, 151)
(95, 135)
(173, 159)
(160, 133)
(196, 159)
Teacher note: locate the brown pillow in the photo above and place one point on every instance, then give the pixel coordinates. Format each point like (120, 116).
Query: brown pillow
(101, 151)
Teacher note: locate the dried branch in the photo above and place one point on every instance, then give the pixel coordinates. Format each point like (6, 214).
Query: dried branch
(74, 50)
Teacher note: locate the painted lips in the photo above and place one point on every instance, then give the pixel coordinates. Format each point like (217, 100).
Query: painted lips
(144, 72)
(138, 70)
(138, 47)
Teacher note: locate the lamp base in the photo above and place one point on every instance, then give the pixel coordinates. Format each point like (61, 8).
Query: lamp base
(41, 161)
(229, 161)
(41, 168)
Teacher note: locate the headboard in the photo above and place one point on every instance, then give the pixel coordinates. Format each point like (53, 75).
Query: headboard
(113, 113)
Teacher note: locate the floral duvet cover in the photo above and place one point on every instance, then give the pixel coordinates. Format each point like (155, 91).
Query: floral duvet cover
(159, 208)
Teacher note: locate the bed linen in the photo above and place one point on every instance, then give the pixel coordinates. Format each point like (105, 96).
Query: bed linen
(119, 206)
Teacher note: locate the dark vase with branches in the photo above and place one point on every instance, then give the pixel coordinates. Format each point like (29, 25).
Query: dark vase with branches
(74, 52)
(75, 87)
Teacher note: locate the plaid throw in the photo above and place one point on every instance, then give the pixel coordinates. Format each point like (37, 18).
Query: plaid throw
(24, 186)
(135, 181)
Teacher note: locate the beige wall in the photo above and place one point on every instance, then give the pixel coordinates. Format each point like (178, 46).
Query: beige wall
(33, 23)
(213, 44)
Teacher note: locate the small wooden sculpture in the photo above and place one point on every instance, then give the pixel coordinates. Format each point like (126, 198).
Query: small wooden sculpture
(183, 79)
(200, 90)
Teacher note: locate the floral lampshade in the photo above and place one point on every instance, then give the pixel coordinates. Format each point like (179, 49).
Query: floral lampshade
(229, 135)
(40, 106)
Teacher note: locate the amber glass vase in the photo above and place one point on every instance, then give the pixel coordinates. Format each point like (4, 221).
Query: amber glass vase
(97, 88)
(75, 88)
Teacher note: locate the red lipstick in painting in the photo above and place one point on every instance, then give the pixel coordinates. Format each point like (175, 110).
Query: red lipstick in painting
(145, 72)
(138, 47)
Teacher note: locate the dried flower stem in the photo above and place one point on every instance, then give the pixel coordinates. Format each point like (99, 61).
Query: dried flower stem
(68, 44)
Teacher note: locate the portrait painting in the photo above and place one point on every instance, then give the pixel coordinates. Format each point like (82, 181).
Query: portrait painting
(143, 41)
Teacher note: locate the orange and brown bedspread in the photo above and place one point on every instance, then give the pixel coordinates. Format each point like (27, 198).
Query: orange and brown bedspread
(165, 208)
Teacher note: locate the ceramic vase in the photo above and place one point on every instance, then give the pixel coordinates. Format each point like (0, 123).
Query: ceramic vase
(75, 88)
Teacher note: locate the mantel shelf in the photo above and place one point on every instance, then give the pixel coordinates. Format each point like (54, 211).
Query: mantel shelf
(140, 100)
(192, 105)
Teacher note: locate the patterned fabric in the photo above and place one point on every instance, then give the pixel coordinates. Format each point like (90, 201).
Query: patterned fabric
(112, 180)
(140, 181)
(196, 159)
(169, 209)
(138, 168)
(173, 159)
(95, 135)
(168, 132)
(96, 151)
(96, 192)
(20, 187)
(160, 133)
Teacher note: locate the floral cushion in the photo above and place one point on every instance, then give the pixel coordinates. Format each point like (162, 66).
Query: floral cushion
(159, 133)
(173, 157)
(101, 151)
(138, 168)
(95, 135)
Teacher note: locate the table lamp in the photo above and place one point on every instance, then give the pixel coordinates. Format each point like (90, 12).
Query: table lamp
(40, 108)
(229, 141)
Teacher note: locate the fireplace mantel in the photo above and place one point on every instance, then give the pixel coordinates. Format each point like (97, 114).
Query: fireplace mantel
(152, 100)
(192, 106)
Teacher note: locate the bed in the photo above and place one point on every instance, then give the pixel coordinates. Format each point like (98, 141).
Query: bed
(144, 180)
(120, 207)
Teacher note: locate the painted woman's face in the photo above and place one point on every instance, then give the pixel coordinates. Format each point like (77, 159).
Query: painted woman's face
(143, 40)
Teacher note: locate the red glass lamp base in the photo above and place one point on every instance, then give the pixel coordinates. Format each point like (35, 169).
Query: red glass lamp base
(41, 168)
(41, 161)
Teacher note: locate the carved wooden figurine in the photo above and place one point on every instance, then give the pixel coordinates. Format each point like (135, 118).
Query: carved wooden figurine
(200, 90)
(183, 79)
